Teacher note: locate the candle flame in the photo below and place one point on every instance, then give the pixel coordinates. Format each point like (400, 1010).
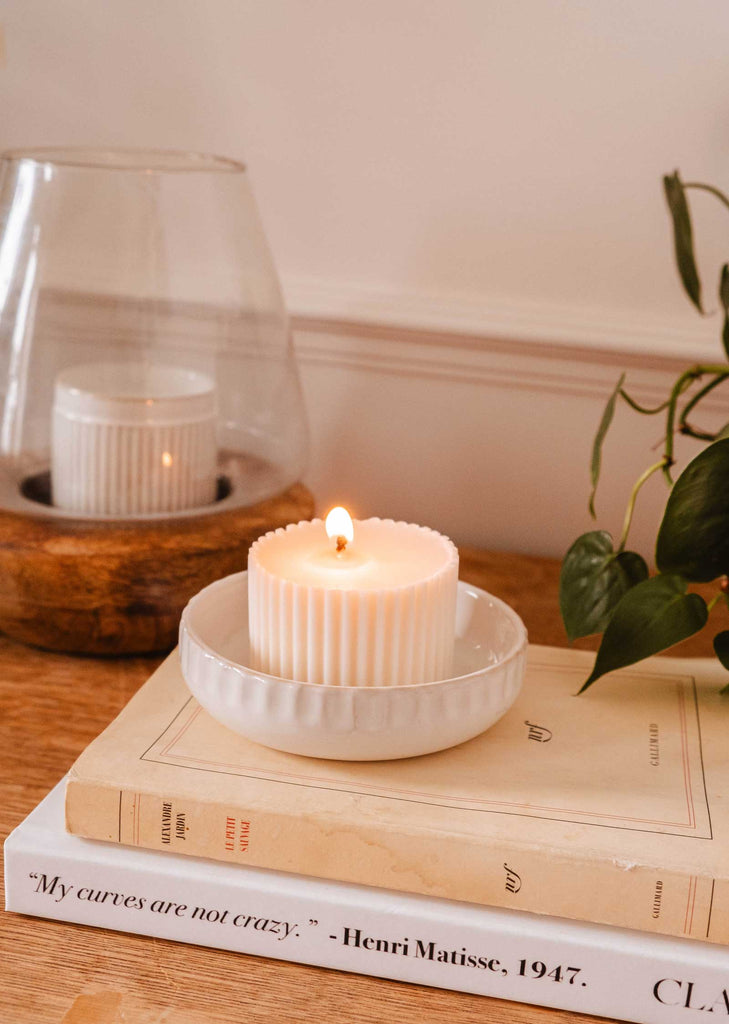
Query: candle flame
(339, 526)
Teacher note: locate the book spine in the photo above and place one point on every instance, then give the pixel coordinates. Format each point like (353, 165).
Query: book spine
(457, 867)
(513, 956)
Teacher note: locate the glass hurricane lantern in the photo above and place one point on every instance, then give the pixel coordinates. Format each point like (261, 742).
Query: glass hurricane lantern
(151, 418)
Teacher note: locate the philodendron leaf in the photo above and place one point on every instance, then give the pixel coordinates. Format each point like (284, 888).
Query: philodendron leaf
(721, 649)
(593, 580)
(724, 299)
(652, 616)
(683, 241)
(693, 539)
(607, 418)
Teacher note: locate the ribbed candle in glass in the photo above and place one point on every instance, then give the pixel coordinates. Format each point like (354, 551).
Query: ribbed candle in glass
(133, 439)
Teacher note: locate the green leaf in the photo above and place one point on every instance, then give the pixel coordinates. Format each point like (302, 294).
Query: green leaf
(724, 299)
(683, 237)
(592, 581)
(652, 616)
(721, 649)
(607, 418)
(693, 539)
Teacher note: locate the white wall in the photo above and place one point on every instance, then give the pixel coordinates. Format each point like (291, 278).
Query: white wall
(463, 199)
(486, 440)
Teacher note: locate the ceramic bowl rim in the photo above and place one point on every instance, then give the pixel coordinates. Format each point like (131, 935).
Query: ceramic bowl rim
(514, 651)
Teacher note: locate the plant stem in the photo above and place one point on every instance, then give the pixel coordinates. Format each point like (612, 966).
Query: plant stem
(632, 499)
(707, 188)
(701, 393)
(640, 408)
(698, 435)
(684, 381)
(715, 599)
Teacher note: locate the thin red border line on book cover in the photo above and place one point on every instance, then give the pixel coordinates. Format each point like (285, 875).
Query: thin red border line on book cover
(485, 804)
(136, 797)
(690, 904)
(167, 752)
(136, 816)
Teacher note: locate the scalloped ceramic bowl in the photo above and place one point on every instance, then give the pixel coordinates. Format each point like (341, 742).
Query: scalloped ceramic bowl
(352, 723)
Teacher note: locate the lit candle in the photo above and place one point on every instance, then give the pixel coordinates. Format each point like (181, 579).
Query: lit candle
(133, 439)
(364, 604)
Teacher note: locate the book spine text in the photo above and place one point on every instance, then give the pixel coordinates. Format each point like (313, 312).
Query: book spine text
(433, 942)
(452, 866)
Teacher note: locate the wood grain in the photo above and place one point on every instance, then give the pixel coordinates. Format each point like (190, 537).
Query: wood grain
(51, 706)
(95, 587)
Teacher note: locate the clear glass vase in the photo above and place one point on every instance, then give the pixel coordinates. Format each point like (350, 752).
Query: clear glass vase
(145, 353)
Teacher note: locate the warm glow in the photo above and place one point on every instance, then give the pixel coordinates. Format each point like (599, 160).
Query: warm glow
(339, 526)
(166, 459)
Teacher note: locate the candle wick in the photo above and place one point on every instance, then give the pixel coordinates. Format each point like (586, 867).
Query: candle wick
(341, 544)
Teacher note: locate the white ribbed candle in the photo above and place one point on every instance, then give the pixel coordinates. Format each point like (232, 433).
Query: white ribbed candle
(379, 613)
(133, 439)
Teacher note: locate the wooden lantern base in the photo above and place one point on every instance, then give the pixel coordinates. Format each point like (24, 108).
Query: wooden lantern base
(93, 587)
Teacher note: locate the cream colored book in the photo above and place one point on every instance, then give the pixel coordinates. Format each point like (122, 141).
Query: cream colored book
(570, 965)
(612, 807)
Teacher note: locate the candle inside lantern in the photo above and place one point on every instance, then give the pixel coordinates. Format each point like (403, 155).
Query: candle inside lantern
(364, 604)
(133, 439)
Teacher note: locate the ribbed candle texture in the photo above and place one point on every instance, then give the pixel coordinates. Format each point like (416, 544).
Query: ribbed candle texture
(133, 440)
(380, 613)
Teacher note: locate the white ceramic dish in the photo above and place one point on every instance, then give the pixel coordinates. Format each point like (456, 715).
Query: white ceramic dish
(352, 723)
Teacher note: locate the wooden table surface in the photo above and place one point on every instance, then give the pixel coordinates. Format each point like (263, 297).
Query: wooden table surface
(52, 706)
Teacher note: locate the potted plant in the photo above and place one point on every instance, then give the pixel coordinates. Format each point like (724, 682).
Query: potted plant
(605, 588)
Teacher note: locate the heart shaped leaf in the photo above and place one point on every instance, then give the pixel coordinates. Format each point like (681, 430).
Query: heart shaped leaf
(593, 580)
(683, 241)
(652, 616)
(607, 418)
(693, 539)
(721, 649)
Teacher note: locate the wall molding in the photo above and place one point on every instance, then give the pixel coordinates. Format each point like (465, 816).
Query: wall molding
(462, 361)
(484, 437)
(454, 318)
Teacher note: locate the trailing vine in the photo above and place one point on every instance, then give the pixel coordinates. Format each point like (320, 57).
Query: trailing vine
(607, 589)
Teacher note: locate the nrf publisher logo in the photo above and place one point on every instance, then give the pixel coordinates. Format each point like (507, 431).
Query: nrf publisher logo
(538, 733)
(513, 881)
(686, 994)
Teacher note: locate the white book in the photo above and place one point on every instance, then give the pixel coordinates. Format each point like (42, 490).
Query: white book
(514, 955)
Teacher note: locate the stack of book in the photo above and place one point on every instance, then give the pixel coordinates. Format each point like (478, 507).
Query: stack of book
(576, 855)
